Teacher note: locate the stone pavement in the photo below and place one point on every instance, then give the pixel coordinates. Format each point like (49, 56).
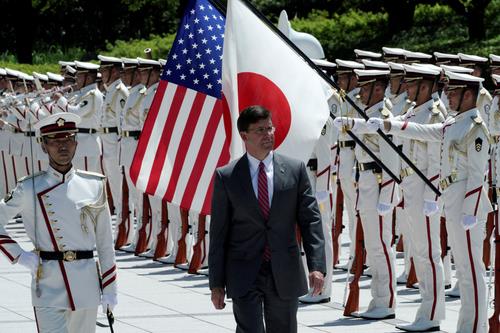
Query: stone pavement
(155, 297)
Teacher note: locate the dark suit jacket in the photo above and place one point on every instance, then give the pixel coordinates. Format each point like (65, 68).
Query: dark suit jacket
(238, 230)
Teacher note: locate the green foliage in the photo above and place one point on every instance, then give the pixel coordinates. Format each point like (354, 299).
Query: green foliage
(40, 68)
(160, 45)
(340, 34)
(436, 28)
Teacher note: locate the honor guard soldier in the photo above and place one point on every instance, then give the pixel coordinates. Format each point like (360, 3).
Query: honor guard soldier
(464, 140)
(66, 217)
(396, 93)
(421, 203)
(348, 81)
(417, 57)
(377, 193)
(131, 127)
(114, 100)
(65, 64)
(478, 64)
(393, 54)
(446, 59)
(88, 106)
(361, 54)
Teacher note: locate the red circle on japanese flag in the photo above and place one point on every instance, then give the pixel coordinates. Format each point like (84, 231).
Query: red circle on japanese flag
(256, 89)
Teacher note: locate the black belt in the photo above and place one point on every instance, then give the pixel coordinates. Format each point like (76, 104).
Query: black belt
(369, 166)
(87, 130)
(312, 164)
(347, 144)
(108, 130)
(66, 255)
(131, 134)
(29, 134)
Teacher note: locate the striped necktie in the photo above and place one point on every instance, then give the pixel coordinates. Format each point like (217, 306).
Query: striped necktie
(263, 197)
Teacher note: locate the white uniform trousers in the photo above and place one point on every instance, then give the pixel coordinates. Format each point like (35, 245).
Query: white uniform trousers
(467, 247)
(345, 174)
(174, 233)
(425, 241)
(377, 232)
(57, 320)
(403, 227)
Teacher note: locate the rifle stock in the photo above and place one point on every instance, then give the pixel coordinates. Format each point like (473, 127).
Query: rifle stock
(338, 226)
(143, 240)
(352, 304)
(181, 257)
(162, 237)
(494, 319)
(122, 235)
(198, 248)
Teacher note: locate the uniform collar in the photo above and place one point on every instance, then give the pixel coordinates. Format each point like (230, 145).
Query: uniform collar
(114, 85)
(425, 106)
(136, 88)
(59, 176)
(88, 88)
(375, 107)
(399, 98)
(469, 113)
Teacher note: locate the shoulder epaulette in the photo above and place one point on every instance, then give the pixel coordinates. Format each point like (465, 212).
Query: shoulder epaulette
(90, 173)
(36, 174)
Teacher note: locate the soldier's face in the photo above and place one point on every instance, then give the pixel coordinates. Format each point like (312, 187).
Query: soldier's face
(60, 151)
(411, 89)
(344, 81)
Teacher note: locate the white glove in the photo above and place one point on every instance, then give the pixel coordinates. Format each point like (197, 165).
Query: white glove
(108, 301)
(383, 209)
(29, 260)
(469, 221)
(430, 207)
(339, 122)
(374, 124)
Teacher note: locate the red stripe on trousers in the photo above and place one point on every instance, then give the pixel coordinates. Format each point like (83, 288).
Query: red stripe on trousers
(386, 254)
(428, 225)
(474, 281)
(168, 129)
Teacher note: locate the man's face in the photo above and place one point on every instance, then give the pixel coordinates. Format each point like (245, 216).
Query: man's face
(106, 73)
(259, 137)
(144, 75)
(80, 80)
(454, 98)
(412, 89)
(60, 150)
(364, 93)
(343, 81)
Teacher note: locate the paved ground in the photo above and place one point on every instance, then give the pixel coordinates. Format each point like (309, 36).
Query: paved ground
(155, 297)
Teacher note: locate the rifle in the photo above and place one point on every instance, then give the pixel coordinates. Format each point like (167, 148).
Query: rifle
(162, 237)
(122, 235)
(490, 222)
(199, 251)
(352, 304)
(143, 240)
(338, 226)
(444, 238)
(181, 257)
(494, 320)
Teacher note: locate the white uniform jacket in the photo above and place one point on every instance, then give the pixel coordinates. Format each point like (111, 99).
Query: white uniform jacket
(464, 155)
(425, 155)
(389, 191)
(71, 214)
(114, 102)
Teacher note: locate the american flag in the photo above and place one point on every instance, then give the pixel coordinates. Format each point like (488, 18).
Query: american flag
(184, 138)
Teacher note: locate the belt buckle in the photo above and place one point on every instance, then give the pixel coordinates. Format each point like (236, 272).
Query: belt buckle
(444, 183)
(361, 167)
(105, 130)
(69, 256)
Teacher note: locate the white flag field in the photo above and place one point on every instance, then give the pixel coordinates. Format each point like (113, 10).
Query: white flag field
(259, 67)
(188, 133)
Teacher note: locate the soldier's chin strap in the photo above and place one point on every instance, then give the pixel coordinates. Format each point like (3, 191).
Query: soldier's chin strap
(399, 85)
(418, 90)
(372, 87)
(459, 106)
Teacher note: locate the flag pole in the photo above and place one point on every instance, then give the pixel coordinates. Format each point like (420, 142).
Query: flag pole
(323, 75)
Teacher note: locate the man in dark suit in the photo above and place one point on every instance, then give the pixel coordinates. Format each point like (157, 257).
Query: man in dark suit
(258, 201)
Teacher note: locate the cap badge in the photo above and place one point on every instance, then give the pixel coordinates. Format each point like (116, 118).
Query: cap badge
(60, 122)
